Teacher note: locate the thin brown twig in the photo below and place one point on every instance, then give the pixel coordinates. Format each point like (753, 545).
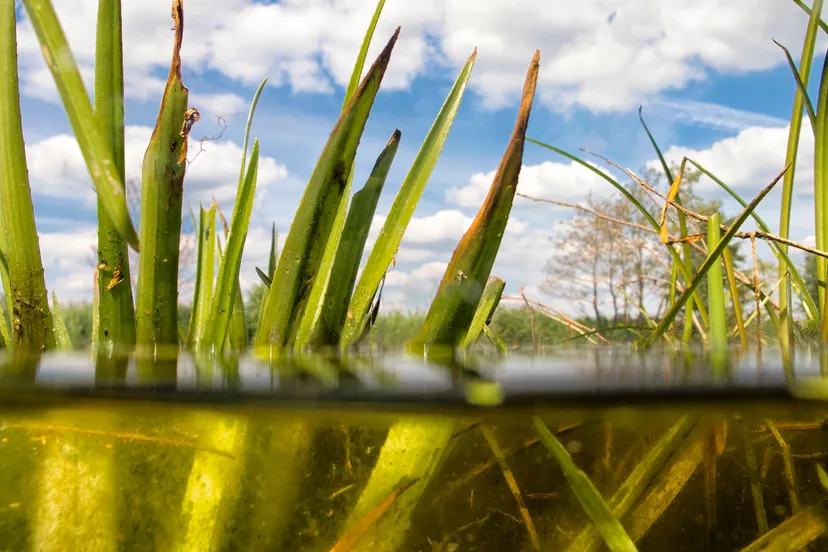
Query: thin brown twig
(591, 212)
(513, 486)
(531, 321)
(757, 290)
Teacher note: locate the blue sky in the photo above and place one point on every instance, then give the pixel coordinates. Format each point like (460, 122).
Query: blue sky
(712, 83)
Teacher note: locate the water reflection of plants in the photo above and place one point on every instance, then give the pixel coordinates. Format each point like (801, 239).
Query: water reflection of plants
(317, 300)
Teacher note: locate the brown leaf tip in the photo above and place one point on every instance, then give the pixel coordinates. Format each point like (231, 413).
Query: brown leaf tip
(473, 56)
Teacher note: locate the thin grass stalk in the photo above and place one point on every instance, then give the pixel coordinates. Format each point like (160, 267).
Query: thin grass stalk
(807, 10)
(62, 339)
(712, 257)
(115, 308)
(305, 246)
(227, 284)
(93, 141)
(686, 252)
(205, 270)
(271, 270)
(402, 210)
(755, 483)
(25, 284)
(821, 184)
(686, 274)
(734, 296)
(811, 310)
(715, 295)
(485, 310)
(161, 195)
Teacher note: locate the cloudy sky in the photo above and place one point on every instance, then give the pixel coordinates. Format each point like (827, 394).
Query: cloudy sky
(712, 83)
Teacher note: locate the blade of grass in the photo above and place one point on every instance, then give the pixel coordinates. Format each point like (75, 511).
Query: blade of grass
(687, 274)
(712, 257)
(327, 320)
(116, 311)
(227, 285)
(161, 192)
(638, 481)
(317, 301)
(715, 294)
(4, 280)
(205, 270)
(793, 534)
(786, 328)
(802, 90)
(237, 336)
(485, 310)
(779, 250)
(806, 9)
(402, 210)
(820, 183)
(734, 295)
(588, 496)
(62, 340)
(306, 242)
(26, 289)
(450, 314)
(686, 252)
(496, 341)
(266, 280)
(271, 271)
(94, 145)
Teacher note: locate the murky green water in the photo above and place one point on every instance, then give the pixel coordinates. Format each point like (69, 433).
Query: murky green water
(398, 454)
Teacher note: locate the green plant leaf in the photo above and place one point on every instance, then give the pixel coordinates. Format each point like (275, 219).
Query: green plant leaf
(588, 496)
(62, 340)
(324, 325)
(800, 85)
(806, 9)
(115, 308)
(271, 266)
(265, 278)
(94, 145)
(227, 284)
(734, 296)
(485, 310)
(4, 280)
(712, 257)
(450, 315)
(25, 287)
(307, 239)
(688, 276)
(820, 192)
(778, 249)
(785, 327)
(715, 292)
(396, 223)
(161, 192)
(205, 270)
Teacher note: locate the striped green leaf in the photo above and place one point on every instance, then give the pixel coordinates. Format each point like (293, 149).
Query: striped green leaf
(485, 310)
(205, 271)
(62, 340)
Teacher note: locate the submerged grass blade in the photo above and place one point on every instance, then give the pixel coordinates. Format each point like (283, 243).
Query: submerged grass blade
(94, 145)
(588, 496)
(712, 257)
(62, 340)
(323, 326)
(205, 270)
(227, 284)
(115, 309)
(453, 308)
(485, 310)
(390, 236)
(161, 192)
(307, 239)
(686, 273)
(638, 481)
(795, 533)
(780, 250)
(24, 281)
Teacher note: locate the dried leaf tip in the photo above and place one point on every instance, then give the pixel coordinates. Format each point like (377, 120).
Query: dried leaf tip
(394, 137)
(178, 21)
(473, 56)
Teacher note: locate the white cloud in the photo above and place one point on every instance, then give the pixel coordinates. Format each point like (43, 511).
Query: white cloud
(566, 182)
(597, 54)
(221, 105)
(57, 168)
(750, 160)
(711, 115)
